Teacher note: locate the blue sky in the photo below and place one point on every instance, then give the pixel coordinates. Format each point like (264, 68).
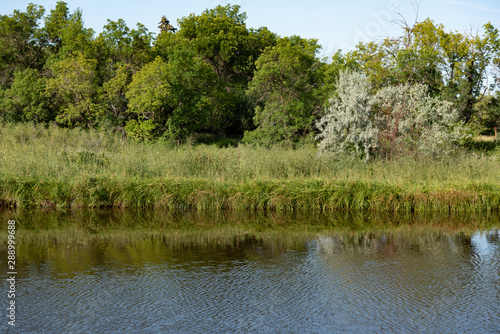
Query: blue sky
(337, 24)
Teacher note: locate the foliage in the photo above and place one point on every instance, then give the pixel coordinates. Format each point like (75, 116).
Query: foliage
(488, 113)
(25, 100)
(347, 126)
(21, 43)
(73, 85)
(283, 89)
(411, 121)
(451, 64)
(177, 98)
(114, 98)
(397, 120)
(221, 38)
(147, 95)
(214, 75)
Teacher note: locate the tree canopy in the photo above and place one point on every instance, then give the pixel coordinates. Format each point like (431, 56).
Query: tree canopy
(213, 74)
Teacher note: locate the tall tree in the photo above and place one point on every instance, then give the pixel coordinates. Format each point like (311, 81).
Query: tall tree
(73, 85)
(26, 100)
(165, 25)
(284, 89)
(55, 23)
(221, 38)
(22, 42)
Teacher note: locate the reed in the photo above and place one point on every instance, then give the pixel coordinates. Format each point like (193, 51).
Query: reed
(54, 167)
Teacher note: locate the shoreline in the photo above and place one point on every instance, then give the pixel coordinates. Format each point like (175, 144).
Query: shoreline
(204, 195)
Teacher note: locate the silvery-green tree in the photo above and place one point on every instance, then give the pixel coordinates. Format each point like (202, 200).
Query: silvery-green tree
(347, 126)
(411, 121)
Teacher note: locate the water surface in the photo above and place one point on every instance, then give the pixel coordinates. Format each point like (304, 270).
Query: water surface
(158, 273)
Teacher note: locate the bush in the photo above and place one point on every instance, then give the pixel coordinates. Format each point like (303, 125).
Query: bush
(347, 125)
(410, 121)
(396, 121)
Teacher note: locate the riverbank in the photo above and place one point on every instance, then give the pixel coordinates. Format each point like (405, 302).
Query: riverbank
(60, 168)
(275, 195)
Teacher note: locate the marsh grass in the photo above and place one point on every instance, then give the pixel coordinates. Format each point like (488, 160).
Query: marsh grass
(55, 167)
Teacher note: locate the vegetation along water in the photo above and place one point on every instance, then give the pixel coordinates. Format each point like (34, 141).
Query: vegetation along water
(53, 167)
(228, 117)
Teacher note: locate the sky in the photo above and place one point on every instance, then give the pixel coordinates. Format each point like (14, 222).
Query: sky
(336, 24)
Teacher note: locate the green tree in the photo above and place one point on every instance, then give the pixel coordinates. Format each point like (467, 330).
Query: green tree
(22, 42)
(114, 98)
(148, 100)
(25, 100)
(221, 38)
(74, 37)
(488, 112)
(284, 89)
(198, 97)
(73, 85)
(175, 99)
(452, 65)
(118, 46)
(55, 23)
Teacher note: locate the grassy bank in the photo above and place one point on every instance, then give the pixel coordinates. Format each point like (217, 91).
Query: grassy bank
(53, 167)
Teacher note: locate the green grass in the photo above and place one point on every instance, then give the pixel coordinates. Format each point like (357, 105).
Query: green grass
(54, 167)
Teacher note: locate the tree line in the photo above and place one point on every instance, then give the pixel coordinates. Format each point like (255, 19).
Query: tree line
(214, 75)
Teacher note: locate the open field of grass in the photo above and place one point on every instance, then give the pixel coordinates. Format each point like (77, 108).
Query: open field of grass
(54, 167)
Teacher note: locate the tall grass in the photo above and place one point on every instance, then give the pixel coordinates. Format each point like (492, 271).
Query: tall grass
(50, 166)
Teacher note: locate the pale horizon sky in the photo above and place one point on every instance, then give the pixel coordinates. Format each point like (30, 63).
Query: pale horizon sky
(336, 24)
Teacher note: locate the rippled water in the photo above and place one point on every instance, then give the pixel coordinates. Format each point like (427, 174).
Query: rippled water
(401, 280)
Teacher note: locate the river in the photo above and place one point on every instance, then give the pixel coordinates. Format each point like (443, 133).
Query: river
(150, 272)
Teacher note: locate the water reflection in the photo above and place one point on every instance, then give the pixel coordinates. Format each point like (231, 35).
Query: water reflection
(276, 276)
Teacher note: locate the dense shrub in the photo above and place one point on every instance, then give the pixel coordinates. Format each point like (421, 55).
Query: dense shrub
(397, 120)
(410, 121)
(347, 126)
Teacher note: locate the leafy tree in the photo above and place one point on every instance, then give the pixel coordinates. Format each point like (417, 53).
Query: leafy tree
(120, 46)
(284, 89)
(75, 38)
(339, 63)
(25, 100)
(114, 98)
(418, 58)
(198, 98)
(488, 112)
(22, 42)
(55, 23)
(148, 99)
(452, 65)
(73, 85)
(174, 99)
(347, 126)
(221, 38)
(374, 61)
(218, 36)
(165, 25)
